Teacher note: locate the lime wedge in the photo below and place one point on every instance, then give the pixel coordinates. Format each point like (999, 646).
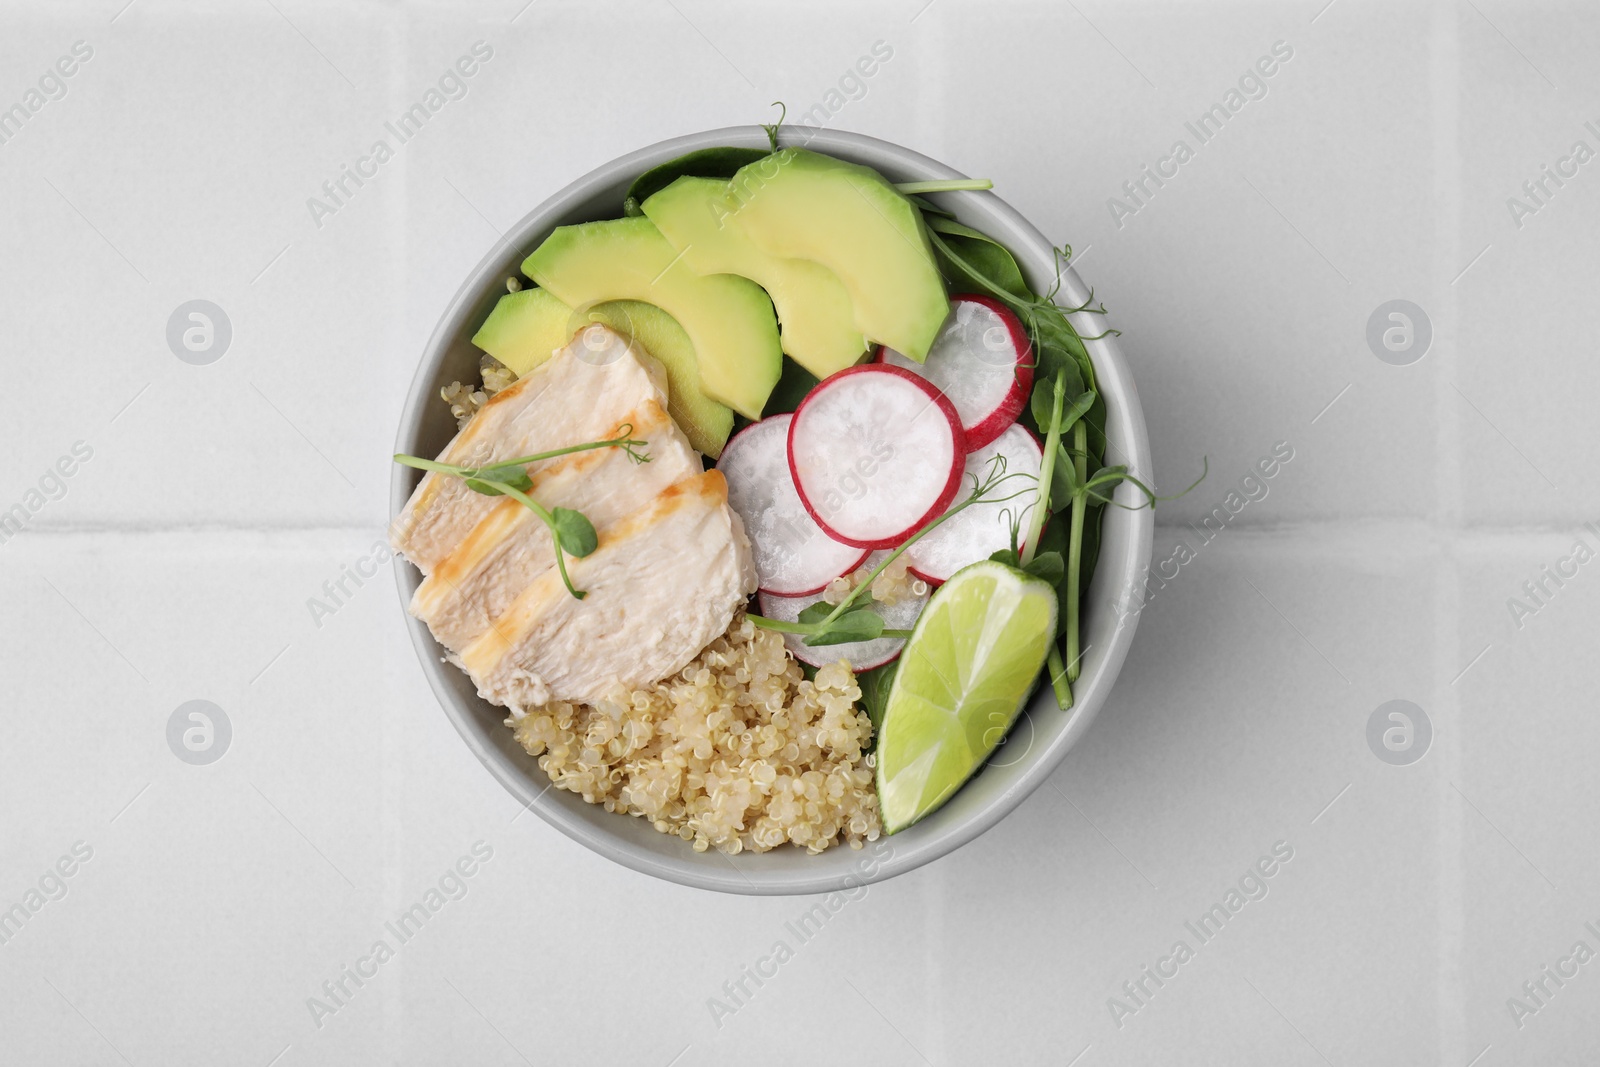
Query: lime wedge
(968, 666)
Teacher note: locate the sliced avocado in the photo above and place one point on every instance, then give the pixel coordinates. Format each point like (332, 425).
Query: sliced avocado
(728, 319)
(815, 315)
(848, 218)
(524, 328)
(721, 163)
(703, 421)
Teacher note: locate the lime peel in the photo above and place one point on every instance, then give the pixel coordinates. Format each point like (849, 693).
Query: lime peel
(963, 678)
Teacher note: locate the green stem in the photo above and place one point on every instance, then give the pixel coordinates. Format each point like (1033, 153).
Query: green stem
(1080, 444)
(1052, 445)
(806, 628)
(1058, 678)
(980, 493)
(1010, 299)
(951, 186)
(550, 523)
(621, 441)
(844, 605)
(426, 464)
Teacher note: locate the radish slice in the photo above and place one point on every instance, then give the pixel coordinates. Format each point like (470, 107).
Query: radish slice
(982, 361)
(863, 655)
(983, 529)
(793, 556)
(876, 453)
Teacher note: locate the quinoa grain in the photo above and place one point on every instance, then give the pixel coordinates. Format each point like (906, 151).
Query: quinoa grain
(737, 751)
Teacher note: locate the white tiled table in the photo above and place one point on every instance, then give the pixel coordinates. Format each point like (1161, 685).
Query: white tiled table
(218, 499)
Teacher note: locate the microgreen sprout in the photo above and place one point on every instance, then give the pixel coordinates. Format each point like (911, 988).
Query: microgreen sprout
(772, 129)
(514, 471)
(848, 621)
(1066, 407)
(571, 531)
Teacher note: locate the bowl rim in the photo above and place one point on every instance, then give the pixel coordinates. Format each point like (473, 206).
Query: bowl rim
(910, 849)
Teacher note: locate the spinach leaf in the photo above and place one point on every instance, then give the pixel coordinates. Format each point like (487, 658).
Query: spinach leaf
(973, 259)
(1053, 539)
(929, 209)
(876, 685)
(792, 388)
(720, 162)
(1063, 478)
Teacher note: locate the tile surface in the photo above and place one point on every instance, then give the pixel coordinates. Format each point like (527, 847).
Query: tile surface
(1384, 158)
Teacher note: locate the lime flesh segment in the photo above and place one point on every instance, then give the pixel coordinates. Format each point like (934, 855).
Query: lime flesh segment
(967, 668)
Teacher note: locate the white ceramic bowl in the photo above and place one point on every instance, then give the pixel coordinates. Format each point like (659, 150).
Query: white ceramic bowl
(1042, 735)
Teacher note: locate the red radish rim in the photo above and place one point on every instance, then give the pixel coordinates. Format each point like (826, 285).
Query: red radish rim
(813, 592)
(853, 567)
(934, 583)
(990, 429)
(987, 430)
(959, 443)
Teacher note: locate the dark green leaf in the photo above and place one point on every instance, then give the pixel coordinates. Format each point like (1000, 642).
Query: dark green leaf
(1042, 402)
(1008, 557)
(483, 487)
(815, 613)
(1077, 408)
(876, 685)
(575, 530)
(721, 163)
(1055, 332)
(1103, 484)
(977, 258)
(793, 385)
(1064, 478)
(1050, 360)
(1054, 537)
(929, 209)
(1047, 565)
(1095, 420)
(859, 624)
(1089, 553)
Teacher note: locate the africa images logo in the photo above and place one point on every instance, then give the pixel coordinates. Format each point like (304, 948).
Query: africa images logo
(338, 191)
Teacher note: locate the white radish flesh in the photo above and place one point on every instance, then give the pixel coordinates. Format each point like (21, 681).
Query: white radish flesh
(793, 555)
(876, 453)
(982, 361)
(980, 530)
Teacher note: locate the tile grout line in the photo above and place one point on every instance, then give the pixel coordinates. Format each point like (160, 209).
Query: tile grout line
(1447, 512)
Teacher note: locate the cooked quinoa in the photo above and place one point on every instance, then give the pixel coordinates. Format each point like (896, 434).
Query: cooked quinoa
(738, 750)
(896, 583)
(465, 401)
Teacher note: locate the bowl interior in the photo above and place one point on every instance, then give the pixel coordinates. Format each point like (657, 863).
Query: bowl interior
(1043, 734)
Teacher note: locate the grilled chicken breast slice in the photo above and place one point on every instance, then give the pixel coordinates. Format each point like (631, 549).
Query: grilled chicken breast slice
(660, 587)
(510, 547)
(578, 395)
